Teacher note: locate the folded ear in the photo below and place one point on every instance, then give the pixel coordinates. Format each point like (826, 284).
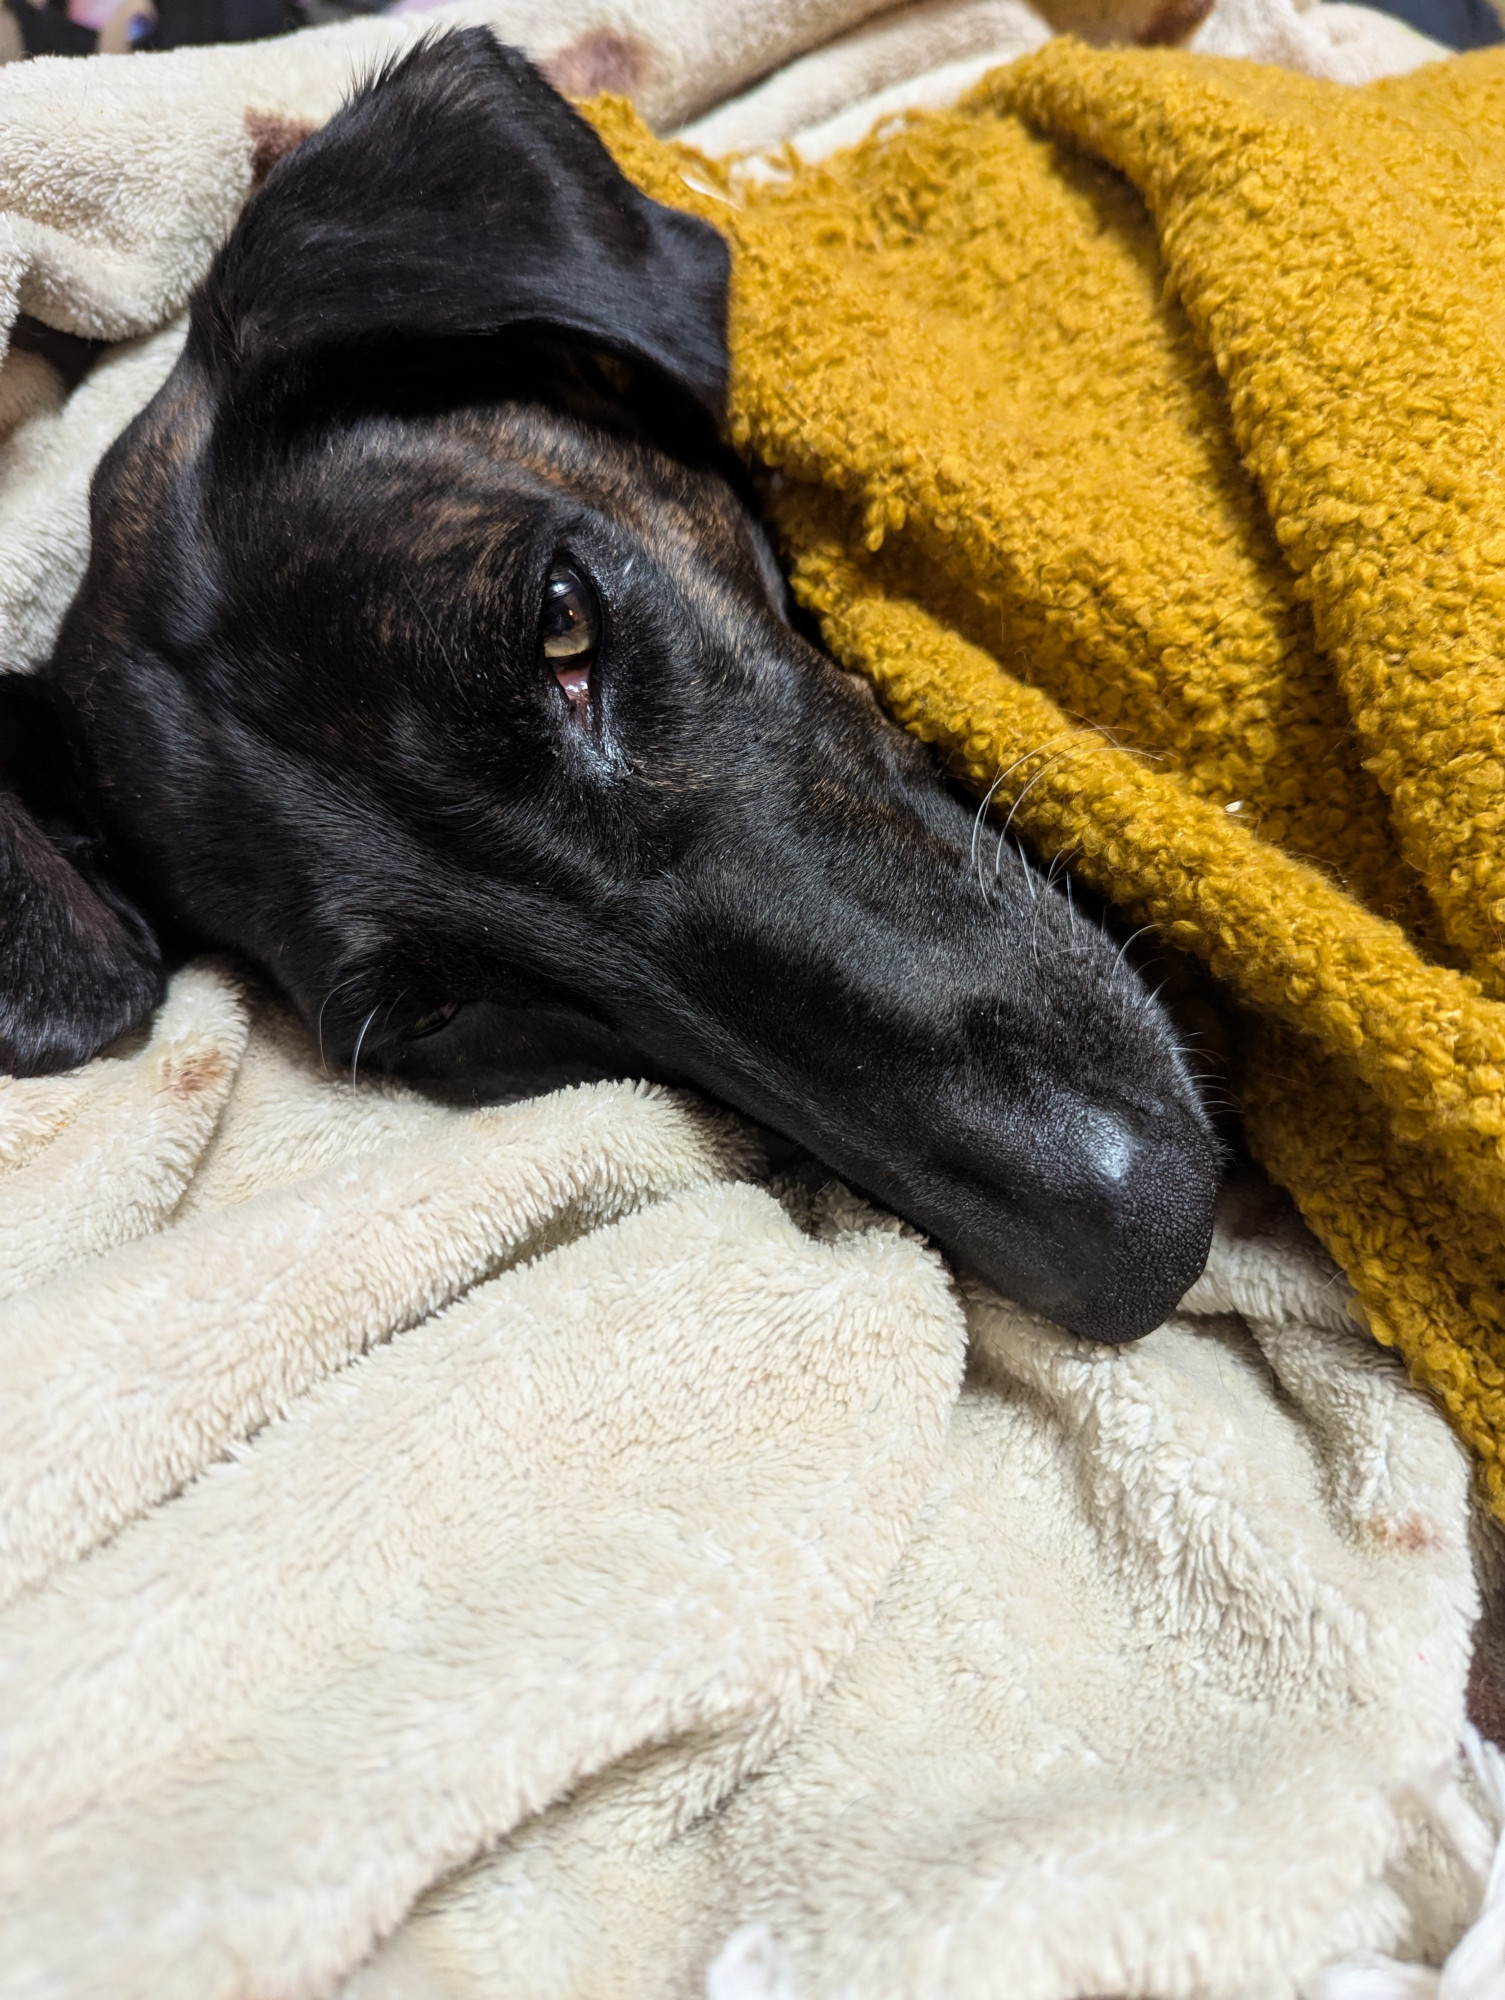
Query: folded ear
(78, 965)
(459, 194)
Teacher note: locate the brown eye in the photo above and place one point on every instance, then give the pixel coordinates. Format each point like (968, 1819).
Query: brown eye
(569, 631)
(431, 1023)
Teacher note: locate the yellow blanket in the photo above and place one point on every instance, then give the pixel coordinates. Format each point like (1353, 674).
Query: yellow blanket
(1138, 428)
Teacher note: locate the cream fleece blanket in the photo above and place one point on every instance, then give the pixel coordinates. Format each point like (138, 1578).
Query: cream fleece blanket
(527, 1551)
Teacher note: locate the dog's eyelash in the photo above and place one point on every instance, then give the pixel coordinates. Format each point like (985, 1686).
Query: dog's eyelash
(569, 632)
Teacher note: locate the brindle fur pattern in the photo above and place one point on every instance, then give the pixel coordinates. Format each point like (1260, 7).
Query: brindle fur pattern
(303, 683)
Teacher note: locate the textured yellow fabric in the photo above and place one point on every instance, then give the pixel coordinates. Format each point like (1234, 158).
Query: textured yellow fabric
(1139, 427)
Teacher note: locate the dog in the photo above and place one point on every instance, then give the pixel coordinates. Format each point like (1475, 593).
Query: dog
(430, 655)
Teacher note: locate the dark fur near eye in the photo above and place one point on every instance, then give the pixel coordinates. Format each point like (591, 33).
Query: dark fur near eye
(302, 707)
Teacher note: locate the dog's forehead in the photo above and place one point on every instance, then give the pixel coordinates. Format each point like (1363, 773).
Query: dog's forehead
(469, 489)
(684, 520)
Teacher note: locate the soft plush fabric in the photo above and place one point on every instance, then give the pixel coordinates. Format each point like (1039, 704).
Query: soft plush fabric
(1136, 426)
(389, 1491)
(928, 54)
(993, 1803)
(531, 1551)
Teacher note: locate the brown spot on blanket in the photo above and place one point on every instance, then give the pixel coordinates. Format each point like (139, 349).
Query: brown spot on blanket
(1411, 1535)
(600, 60)
(271, 136)
(189, 1075)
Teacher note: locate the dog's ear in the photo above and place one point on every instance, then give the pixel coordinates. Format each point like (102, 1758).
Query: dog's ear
(78, 964)
(458, 194)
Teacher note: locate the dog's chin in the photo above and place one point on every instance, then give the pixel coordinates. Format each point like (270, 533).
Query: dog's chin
(494, 1053)
(501, 1083)
(1103, 1255)
(1099, 1225)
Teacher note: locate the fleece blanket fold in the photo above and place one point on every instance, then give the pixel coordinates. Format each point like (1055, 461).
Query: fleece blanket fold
(536, 1551)
(523, 1551)
(1136, 426)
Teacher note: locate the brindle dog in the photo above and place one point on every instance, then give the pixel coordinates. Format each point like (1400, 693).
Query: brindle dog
(430, 656)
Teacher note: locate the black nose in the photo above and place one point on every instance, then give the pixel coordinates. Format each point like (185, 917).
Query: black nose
(1162, 1189)
(1109, 1147)
(1106, 1221)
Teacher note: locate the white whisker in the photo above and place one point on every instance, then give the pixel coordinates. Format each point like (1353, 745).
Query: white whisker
(1123, 950)
(444, 652)
(987, 800)
(1030, 881)
(977, 819)
(1048, 765)
(355, 1060)
(338, 987)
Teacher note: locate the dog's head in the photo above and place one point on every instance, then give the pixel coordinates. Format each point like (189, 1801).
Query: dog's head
(429, 656)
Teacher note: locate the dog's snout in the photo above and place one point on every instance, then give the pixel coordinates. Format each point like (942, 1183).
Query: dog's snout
(1030, 1109)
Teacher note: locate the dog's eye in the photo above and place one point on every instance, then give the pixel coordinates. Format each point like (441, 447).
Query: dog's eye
(569, 631)
(432, 1022)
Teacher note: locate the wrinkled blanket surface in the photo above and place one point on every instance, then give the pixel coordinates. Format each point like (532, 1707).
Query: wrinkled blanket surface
(534, 1552)
(1139, 430)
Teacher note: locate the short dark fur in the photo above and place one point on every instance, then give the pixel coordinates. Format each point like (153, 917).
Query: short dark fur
(447, 350)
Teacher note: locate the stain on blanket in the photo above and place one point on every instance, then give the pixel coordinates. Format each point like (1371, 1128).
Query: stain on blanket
(271, 137)
(1411, 1534)
(600, 60)
(191, 1075)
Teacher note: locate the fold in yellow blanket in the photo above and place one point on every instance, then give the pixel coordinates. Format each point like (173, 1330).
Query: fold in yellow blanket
(1139, 427)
